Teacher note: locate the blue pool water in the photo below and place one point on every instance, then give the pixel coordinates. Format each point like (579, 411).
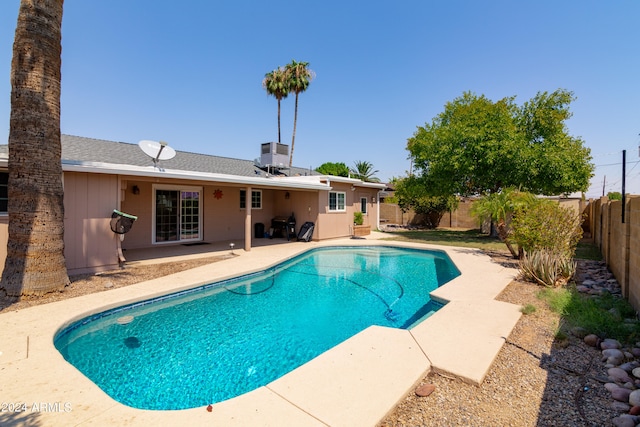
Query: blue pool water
(218, 341)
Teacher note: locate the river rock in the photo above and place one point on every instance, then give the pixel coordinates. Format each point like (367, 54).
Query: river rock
(621, 394)
(634, 398)
(619, 375)
(613, 356)
(611, 386)
(623, 421)
(635, 410)
(620, 407)
(591, 340)
(610, 343)
(425, 390)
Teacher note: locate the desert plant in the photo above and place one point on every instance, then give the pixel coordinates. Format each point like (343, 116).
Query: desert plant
(545, 225)
(358, 218)
(547, 268)
(500, 208)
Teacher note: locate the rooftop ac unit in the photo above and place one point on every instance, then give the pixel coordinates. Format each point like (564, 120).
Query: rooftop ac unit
(275, 154)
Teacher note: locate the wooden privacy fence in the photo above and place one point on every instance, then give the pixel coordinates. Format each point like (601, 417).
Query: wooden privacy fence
(619, 242)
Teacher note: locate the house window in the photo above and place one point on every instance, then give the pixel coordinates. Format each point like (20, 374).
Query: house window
(177, 214)
(337, 201)
(363, 205)
(256, 199)
(4, 192)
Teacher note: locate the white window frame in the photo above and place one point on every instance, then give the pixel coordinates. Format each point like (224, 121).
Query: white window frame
(253, 192)
(337, 203)
(179, 189)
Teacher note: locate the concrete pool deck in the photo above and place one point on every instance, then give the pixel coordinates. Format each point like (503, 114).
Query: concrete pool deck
(354, 384)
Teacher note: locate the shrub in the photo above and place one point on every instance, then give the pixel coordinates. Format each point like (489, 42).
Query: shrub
(545, 225)
(358, 219)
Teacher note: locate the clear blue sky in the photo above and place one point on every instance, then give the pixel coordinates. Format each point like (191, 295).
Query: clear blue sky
(190, 72)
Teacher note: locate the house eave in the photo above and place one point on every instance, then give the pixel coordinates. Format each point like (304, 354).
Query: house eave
(155, 172)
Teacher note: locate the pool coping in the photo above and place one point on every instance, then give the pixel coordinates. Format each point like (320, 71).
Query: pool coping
(355, 383)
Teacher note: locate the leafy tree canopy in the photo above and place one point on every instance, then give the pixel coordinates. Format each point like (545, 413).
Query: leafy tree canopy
(477, 146)
(335, 169)
(412, 193)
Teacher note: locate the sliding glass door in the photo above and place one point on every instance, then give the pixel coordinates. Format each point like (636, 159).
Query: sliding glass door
(177, 214)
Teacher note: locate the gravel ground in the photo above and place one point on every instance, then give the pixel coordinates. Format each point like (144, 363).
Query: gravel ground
(534, 381)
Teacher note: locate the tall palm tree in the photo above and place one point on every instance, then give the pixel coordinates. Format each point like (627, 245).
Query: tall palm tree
(35, 261)
(276, 83)
(364, 171)
(299, 78)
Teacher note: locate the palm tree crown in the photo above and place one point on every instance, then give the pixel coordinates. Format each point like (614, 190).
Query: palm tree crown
(364, 171)
(276, 83)
(299, 76)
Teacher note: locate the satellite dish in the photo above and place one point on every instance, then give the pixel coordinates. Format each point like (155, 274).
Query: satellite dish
(157, 150)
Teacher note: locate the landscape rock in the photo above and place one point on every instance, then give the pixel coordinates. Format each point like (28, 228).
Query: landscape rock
(621, 394)
(634, 398)
(591, 340)
(619, 375)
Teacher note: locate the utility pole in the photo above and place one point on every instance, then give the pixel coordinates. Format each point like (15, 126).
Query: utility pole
(624, 173)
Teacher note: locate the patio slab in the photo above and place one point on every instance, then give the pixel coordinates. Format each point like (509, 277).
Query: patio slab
(354, 384)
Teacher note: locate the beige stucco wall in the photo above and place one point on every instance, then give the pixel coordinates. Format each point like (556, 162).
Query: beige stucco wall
(89, 200)
(331, 225)
(223, 220)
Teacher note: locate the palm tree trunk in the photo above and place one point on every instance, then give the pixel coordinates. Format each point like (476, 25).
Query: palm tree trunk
(504, 236)
(293, 138)
(279, 140)
(35, 261)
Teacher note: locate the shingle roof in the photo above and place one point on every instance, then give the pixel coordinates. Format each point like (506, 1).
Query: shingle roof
(81, 149)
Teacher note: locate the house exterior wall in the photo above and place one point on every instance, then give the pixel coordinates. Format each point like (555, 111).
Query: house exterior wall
(89, 200)
(332, 225)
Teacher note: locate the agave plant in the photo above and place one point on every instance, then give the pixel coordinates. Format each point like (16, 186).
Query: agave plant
(547, 268)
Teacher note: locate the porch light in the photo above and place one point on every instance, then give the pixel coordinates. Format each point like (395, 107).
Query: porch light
(231, 246)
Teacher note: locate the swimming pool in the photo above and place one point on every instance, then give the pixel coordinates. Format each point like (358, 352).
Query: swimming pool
(221, 340)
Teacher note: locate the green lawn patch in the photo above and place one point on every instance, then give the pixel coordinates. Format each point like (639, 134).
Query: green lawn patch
(447, 237)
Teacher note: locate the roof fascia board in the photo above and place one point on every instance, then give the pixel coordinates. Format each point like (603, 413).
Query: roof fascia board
(150, 171)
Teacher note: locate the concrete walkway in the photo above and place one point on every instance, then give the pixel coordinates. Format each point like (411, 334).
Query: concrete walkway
(354, 384)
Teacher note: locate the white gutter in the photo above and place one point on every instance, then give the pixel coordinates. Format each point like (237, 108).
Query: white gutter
(151, 171)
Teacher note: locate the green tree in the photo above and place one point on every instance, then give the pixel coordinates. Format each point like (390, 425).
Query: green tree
(412, 193)
(35, 261)
(276, 83)
(335, 169)
(477, 146)
(499, 208)
(364, 171)
(614, 195)
(299, 76)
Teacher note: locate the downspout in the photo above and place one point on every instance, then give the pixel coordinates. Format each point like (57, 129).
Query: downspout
(247, 219)
(378, 210)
